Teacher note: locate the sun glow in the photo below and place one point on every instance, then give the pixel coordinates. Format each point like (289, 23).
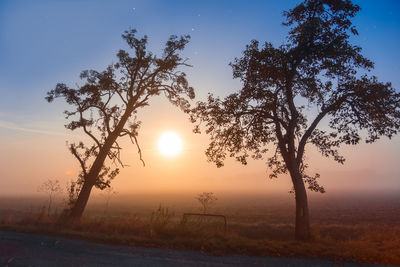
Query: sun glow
(170, 144)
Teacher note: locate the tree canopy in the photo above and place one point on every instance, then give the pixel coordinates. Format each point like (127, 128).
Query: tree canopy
(288, 90)
(105, 106)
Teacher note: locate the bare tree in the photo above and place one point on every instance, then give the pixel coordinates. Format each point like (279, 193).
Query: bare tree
(207, 200)
(107, 194)
(51, 187)
(104, 107)
(317, 68)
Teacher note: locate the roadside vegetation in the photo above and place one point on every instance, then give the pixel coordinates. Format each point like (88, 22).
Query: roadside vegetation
(341, 234)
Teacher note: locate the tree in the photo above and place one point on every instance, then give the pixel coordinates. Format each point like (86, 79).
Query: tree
(108, 193)
(207, 200)
(288, 90)
(104, 107)
(72, 189)
(50, 187)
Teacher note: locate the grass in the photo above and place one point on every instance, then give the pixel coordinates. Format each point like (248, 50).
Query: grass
(367, 241)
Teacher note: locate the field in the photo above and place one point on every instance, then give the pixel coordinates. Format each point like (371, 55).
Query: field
(363, 229)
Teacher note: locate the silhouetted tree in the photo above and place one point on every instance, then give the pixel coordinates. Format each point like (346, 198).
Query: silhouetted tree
(72, 189)
(105, 105)
(50, 187)
(207, 200)
(107, 194)
(317, 74)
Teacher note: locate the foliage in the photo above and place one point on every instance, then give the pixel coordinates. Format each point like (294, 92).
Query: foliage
(288, 90)
(113, 96)
(207, 200)
(374, 241)
(160, 218)
(50, 187)
(73, 189)
(107, 194)
(317, 67)
(105, 106)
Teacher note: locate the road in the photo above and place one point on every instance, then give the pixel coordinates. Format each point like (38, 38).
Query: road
(22, 249)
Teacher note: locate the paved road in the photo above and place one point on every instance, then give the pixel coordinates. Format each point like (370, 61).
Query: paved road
(21, 249)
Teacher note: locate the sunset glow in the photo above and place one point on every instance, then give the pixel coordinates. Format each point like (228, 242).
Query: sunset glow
(170, 144)
(33, 133)
(200, 133)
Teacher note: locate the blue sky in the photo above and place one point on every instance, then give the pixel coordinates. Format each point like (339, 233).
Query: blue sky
(44, 42)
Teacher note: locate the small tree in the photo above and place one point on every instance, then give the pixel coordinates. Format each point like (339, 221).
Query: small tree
(107, 194)
(72, 188)
(104, 107)
(316, 68)
(207, 200)
(51, 187)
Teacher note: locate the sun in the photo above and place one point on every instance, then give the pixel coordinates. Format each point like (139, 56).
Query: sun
(170, 144)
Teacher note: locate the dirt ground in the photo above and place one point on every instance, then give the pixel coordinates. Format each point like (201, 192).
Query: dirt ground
(22, 249)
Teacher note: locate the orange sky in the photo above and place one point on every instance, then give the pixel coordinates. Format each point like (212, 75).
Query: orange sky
(32, 134)
(28, 158)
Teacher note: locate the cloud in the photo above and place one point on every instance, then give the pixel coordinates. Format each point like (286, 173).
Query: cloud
(14, 127)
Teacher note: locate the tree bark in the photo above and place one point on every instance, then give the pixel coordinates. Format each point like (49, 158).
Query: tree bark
(80, 204)
(302, 229)
(83, 197)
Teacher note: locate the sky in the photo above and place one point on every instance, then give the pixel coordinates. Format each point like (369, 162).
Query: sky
(46, 42)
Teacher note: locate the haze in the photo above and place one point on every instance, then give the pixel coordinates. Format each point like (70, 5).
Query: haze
(45, 42)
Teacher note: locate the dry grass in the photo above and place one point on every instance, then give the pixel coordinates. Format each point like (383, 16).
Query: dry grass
(364, 242)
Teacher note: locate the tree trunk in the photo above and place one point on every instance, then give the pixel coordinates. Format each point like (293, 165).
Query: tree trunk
(302, 230)
(80, 204)
(77, 211)
(83, 197)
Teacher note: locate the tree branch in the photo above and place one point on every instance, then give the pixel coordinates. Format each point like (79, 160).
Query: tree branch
(81, 162)
(314, 124)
